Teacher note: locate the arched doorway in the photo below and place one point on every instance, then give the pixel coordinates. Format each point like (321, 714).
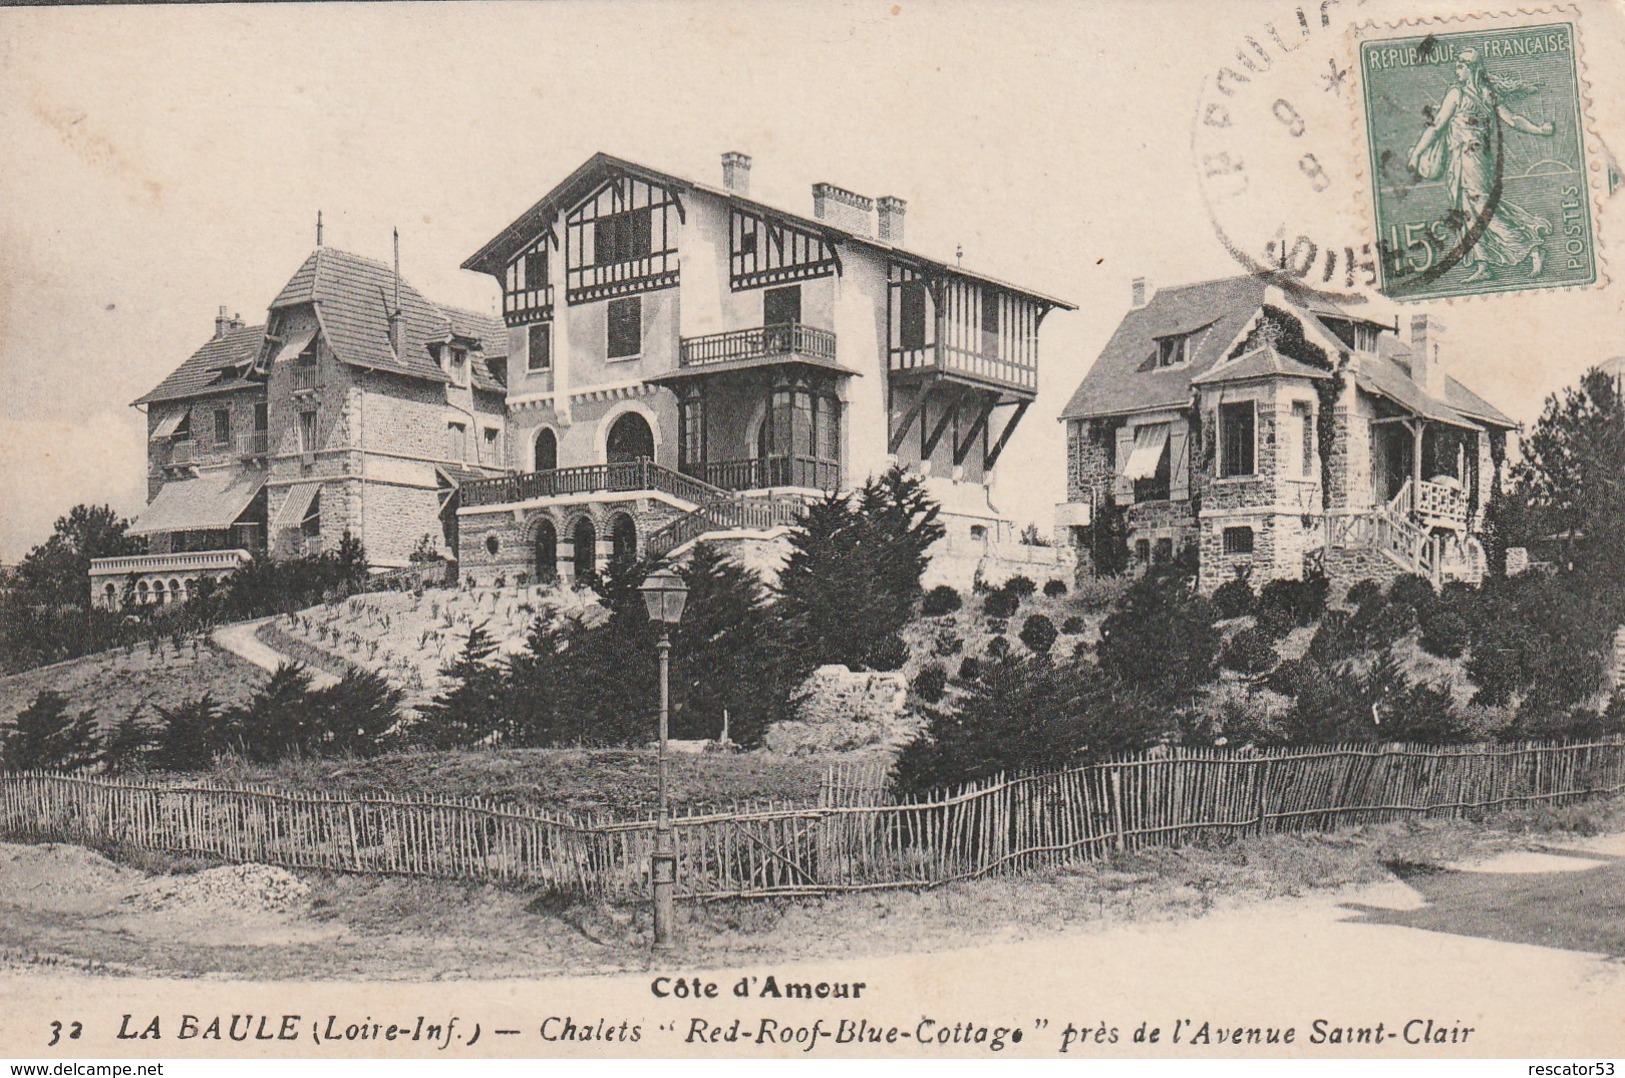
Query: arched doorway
(547, 552)
(547, 450)
(584, 549)
(110, 595)
(623, 536)
(629, 439)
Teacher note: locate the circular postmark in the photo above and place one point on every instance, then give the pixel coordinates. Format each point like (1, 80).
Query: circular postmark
(1274, 161)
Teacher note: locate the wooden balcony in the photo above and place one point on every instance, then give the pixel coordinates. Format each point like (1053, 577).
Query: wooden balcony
(305, 377)
(789, 342)
(254, 444)
(620, 477)
(527, 305)
(809, 473)
(1441, 505)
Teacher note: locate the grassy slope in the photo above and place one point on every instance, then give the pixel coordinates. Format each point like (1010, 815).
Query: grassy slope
(113, 682)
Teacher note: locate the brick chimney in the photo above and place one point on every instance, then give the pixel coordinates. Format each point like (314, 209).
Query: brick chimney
(1427, 370)
(224, 322)
(736, 172)
(1138, 293)
(889, 211)
(844, 209)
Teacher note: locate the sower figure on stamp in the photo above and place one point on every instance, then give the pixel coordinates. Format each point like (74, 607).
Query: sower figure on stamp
(1463, 143)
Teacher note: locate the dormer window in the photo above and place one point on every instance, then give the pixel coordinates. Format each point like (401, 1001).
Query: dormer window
(459, 366)
(1173, 351)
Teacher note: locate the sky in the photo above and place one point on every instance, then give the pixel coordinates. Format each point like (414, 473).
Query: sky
(160, 162)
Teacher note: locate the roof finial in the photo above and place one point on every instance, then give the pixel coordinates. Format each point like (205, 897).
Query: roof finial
(318, 228)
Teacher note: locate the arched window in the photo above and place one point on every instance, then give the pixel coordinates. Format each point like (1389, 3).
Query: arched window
(547, 552)
(623, 535)
(547, 450)
(584, 555)
(629, 439)
(159, 595)
(176, 594)
(142, 594)
(109, 595)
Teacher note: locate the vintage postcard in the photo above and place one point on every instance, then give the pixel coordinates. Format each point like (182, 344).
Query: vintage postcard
(934, 531)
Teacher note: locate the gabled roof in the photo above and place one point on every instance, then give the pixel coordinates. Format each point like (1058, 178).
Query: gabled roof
(493, 257)
(1261, 362)
(220, 366)
(1125, 379)
(353, 297)
(1215, 313)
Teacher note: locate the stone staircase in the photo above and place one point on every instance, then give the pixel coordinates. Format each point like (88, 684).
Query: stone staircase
(726, 513)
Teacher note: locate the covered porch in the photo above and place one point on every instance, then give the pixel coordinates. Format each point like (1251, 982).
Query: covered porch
(1426, 468)
(761, 409)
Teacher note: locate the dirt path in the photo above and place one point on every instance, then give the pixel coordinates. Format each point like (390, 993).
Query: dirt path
(1449, 947)
(240, 640)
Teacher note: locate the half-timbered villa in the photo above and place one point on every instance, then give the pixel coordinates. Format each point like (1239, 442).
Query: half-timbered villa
(358, 407)
(688, 361)
(1279, 433)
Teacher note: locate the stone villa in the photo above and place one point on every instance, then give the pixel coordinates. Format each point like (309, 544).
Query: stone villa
(1279, 433)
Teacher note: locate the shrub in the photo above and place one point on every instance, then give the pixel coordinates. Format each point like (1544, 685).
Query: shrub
(931, 682)
(190, 735)
(1160, 635)
(1054, 589)
(940, 601)
(1445, 634)
(128, 745)
(1412, 592)
(888, 653)
(1249, 652)
(1234, 598)
(43, 737)
(998, 647)
(1024, 714)
(1363, 592)
(1426, 714)
(1020, 586)
(970, 668)
(1038, 633)
(1296, 601)
(1336, 639)
(1001, 603)
(1072, 625)
(947, 644)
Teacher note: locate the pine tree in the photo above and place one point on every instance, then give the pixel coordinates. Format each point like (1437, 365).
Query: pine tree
(723, 659)
(357, 716)
(191, 735)
(279, 721)
(471, 710)
(44, 738)
(129, 744)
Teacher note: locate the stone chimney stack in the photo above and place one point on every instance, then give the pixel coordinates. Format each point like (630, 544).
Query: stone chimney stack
(1137, 295)
(222, 322)
(1427, 370)
(736, 172)
(844, 209)
(889, 211)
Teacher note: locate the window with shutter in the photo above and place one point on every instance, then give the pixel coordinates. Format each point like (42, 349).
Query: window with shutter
(1122, 485)
(1179, 478)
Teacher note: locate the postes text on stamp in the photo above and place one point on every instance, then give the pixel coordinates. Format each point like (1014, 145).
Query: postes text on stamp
(1476, 143)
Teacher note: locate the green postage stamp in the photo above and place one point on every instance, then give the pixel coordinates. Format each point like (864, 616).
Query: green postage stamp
(1476, 144)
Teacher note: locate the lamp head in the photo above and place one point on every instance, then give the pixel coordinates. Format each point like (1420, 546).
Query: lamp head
(665, 594)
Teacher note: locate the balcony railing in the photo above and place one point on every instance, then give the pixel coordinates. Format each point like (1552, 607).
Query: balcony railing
(305, 376)
(1440, 505)
(527, 304)
(630, 475)
(811, 473)
(184, 451)
(167, 563)
(760, 342)
(253, 444)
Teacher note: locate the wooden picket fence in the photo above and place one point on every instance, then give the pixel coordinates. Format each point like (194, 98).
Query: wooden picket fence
(855, 838)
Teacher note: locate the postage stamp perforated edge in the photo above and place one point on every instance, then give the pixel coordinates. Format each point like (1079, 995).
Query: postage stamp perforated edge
(1364, 207)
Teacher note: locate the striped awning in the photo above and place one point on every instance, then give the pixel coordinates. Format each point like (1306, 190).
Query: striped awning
(1149, 440)
(211, 502)
(294, 346)
(296, 507)
(168, 425)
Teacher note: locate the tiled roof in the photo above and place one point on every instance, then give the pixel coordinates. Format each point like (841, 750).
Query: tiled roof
(1124, 379)
(1263, 362)
(491, 258)
(353, 297)
(221, 365)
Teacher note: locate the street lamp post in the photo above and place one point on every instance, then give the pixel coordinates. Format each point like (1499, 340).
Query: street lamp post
(664, 594)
